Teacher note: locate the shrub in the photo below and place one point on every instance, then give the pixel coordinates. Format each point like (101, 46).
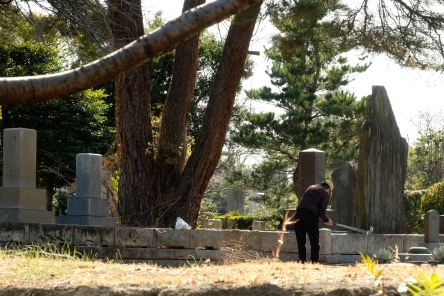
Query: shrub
(235, 220)
(414, 215)
(433, 198)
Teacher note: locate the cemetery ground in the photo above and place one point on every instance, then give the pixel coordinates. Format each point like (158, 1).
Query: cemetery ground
(41, 273)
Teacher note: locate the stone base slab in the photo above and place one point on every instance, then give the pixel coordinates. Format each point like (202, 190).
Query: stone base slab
(84, 206)
(111, 236)
(24, 198)
(86, 220)
(26, 216)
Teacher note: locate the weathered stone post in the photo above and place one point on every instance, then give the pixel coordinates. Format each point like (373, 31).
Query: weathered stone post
(311, 169)
(235, 200)
(87, 207)
(343, 197)
(382, 166)
(20, 201)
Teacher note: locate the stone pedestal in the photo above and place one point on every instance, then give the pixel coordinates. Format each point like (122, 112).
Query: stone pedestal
(87, 207)
(258, 225)
(215, 223)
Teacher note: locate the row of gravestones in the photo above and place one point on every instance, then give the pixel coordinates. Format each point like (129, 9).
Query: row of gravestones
(22, 202)
(373, 196)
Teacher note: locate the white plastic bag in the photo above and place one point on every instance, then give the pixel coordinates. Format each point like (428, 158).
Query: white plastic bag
(180, 224)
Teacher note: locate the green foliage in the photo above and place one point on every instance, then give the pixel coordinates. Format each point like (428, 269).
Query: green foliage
(384, 256)
(235, 220)
(438, 254)
(60, 198)
(427, 286)
(414, 214)
(193, 263)
(28, 59)
(425, 162)
(65, 127)
(309, 75)
(48, 250)
(371, 266)
(433, 198)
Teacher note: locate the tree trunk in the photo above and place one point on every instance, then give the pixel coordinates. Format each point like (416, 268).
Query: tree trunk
(133, 121)
(173, 132)
(193, 181)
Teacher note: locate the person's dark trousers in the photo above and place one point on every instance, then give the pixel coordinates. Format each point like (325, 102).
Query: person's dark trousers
(308, 224)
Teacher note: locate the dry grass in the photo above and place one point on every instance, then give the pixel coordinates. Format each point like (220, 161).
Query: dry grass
(52, 272)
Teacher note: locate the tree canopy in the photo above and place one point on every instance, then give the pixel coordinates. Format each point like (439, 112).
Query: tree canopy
(309, 77)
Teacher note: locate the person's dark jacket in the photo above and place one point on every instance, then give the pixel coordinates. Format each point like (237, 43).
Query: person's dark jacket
(315, 199)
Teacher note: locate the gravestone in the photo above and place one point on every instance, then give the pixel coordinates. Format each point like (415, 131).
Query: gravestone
(382, 166)
(431, 230)
(88, 207)
(343, 197)
(431, 234)
(235, 200)
(311, 169)
(20, 201)
(258, 225)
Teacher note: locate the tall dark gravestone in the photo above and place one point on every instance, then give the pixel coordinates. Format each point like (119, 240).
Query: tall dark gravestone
(311, 169)
(382, 166)
(343, 197)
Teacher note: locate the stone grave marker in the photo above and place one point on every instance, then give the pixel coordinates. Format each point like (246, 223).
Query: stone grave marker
(20, 200)
(311, 169)
(235, 200)
(382, 166)
(88, 207)
(343, 197)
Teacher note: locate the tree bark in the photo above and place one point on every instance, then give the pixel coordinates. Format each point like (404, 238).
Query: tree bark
(173, 131)
(193, 181)
(133, 121)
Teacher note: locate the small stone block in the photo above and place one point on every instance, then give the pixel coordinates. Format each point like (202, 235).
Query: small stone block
(14, 232)
(215, 223)
(169, 238)
(258, 226)
(84, 206)
(211, 254)
(209, 239)
(24, 198)
(27, 216)
(86, 220)
(93, 235)
(419, 250)
(50, 233)
(270, 240)
(134, 237)
(243, 239)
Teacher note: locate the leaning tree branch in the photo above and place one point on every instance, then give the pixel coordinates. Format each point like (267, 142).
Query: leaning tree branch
(429, 19)
(32, 89)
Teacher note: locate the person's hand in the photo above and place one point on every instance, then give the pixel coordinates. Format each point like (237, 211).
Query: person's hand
(329, 222)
